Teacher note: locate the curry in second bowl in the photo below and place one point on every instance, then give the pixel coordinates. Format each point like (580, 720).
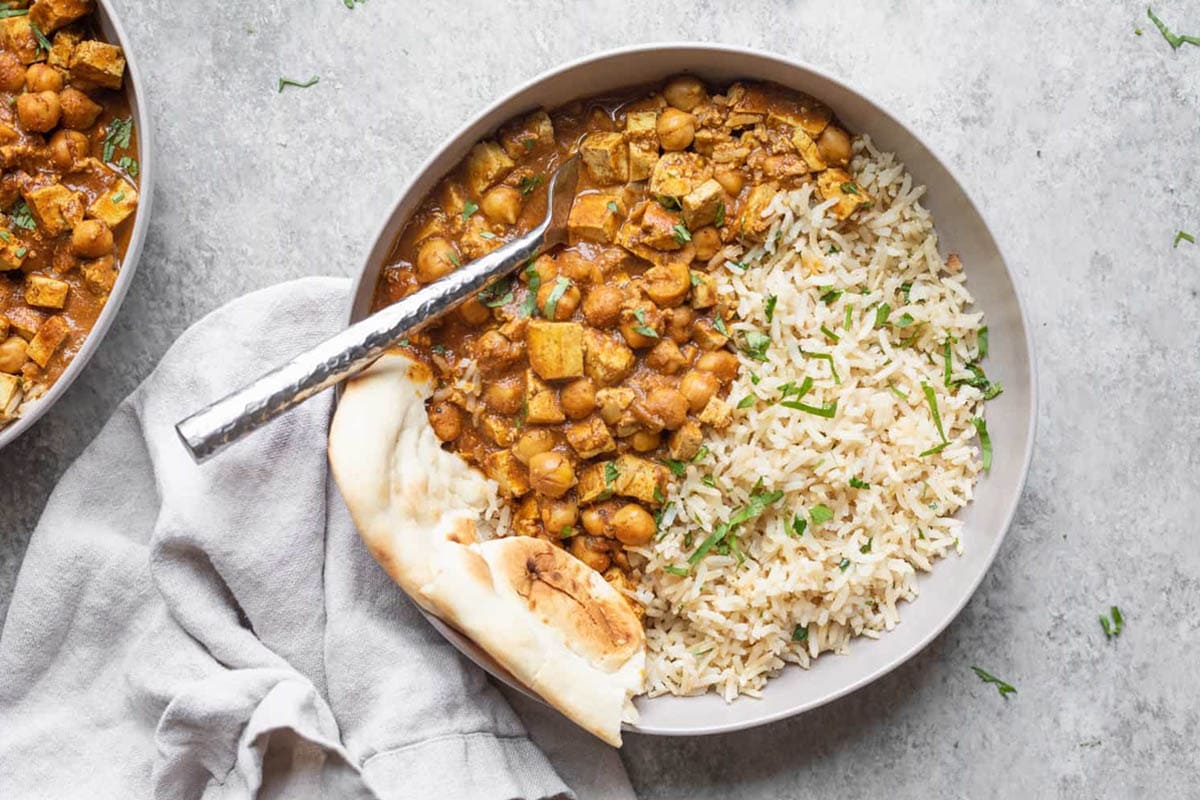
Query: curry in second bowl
(68, 190)
(747, 392)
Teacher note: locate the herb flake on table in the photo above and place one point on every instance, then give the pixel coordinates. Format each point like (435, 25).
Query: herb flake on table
(1113, 623)
(1183, 236)
(1003, 687)
(350, 4)
(1175, 40)
(285, 82)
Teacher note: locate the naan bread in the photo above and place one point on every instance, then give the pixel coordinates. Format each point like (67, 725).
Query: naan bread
(548, 618)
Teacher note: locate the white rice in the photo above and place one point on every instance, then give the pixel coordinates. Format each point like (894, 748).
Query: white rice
(728, 626)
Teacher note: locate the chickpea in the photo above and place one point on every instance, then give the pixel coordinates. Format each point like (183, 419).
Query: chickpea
(503, 396)
(731, 180)
(597, 519)
(591, 551)
(834, 145)
(39, 112)
(721, 363)
(78, 110)
(668, 407)
(668, 285)
(531, 443)
(502, 204)
(676, 129)
(437, 257)
(602, 306)
(564, 307)
(92, 238)
(633, 525)
(698, 387)
(578, 398)
(494, 352)
(631, 327)
(645, 441)
(474, 312)
(12, 354)
(707, 241)
(577, 268)
(12, 72)
(551, 474)
(685, 92)
(68, 147)
(446, 419)
(679, 324)
(546, 269)
(560, 516)
(43, 78)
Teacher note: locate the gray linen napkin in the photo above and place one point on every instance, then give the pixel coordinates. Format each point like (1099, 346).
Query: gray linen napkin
(219, 632)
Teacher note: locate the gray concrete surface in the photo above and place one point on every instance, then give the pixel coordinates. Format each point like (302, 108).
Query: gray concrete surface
(1081, 141)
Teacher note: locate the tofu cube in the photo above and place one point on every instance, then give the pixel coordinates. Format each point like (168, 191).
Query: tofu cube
(716, 413)
(606, 156)
(534, 132)
(613, 402)
(18, 37)
(701, 205)
(704, 290)
(12, 254)
(677, 174)
(542, 406)
(658, 228)
(642, 137)
(555, 349)
(594, 218)
(8, 134)
(99, 275)
(685, 442)
(47, 340)
(10, 393)
(486, 164)
(50, 15)
(97, 64)
(705, 334)
(25, 321)
(641, 479)
(62, 49)
(55, 208)
(593, 485)
(504, 468)
(114, 205)
(837, 184)
(750, 222)
(608, 360)
(590, 437)
(499, 431)
(665, 357)
(808, 150)
(45, 292)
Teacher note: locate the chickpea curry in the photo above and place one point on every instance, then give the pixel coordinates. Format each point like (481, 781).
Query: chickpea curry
(68, 191)
(600, 367)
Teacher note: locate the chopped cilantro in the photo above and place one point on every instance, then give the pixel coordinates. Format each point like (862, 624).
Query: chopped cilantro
(985, 442)
(1182, 236)
(674, 570)
(498, 294)
(1003, 687)
(831, 296)
(769, 307)
(719, 326)
(756, 344)
(117, 137)
(843, 564)
(820, 514)
(42, 42)
(866, 548)
(469, 208)
(850, 187)
(746, 401)
(530, 182)
(529, 304)
(827, 410)
(881, 315)
(798, 524)
(610, 472)
(682, 234)
(858, 483)
(612, 206)
(983, 343)
(1113, 628)
(800, 633)
(720, 219)
(833, 337)
(561, 284)
(22, 217)
(1176, 41)
(642, 328)
(824, 357)
(678, 468)
(285, 82)
(701, 453)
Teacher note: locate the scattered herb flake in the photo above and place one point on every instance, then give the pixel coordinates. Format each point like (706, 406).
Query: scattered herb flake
(881, 315)
(720, 219)
(610, 472)
(566, 532)
(719, 326)
(850, 187)
(21, 251)
(1176, 41)
(948, 368)
(1003, 687)
(903, 321)
(833, 250)
(831, 296)
(674, 570)
(612, 206)
(906, 289)
(561, 284)
(530, 182)
(800, 633)
(678, 468)
(844, 564)
(746, 401)
(658, 495)
(682, 234)
(931, 399)
(985, 442)
(820, 514)
(824, 357)
(13, 12)
(529, 304)
(849, 319)
(117, 137)
(498, 294)
(833, 337)
(701, 453)
(709, 480)
(983, 343)
(756, 344)
(285, 82)
(130, 166)
(866, 548)
(1113, 628)
(898, 392)
(22, 217)
(42, 42)
(859, 484)
(769, 307)
(469, 208)
(827, 410)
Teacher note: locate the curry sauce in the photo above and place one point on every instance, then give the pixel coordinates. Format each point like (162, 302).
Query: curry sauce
(582, 385)
(68, 191)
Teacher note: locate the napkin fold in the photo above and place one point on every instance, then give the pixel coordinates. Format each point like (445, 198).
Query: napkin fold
(219, 631)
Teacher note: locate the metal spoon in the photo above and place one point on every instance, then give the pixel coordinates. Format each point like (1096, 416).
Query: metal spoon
(209, 430)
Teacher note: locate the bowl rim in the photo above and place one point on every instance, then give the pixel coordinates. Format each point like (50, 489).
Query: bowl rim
(950, 611)
(108, 21)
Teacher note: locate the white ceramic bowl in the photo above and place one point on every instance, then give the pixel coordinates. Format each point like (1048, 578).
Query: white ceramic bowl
(961, 228)
(111, 28)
